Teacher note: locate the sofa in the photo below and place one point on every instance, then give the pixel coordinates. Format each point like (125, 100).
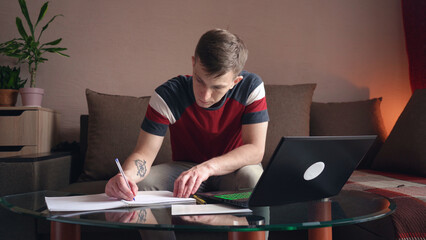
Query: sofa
(111, 128)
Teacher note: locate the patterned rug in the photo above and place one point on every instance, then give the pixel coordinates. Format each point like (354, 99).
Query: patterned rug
(409, 194)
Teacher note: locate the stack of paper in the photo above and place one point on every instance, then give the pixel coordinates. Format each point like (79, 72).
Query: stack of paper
(179, 210)
(102, 201)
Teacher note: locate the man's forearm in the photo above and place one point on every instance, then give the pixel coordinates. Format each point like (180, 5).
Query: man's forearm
(244, 155)
(136, 167)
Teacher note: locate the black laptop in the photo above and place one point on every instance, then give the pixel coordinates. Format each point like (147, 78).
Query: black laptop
(302, 169)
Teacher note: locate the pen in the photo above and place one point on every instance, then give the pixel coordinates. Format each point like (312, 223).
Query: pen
(198, 199)
(122, 174)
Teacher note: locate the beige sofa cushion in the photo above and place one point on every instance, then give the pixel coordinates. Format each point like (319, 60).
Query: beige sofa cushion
(289, 110)
(114, 126)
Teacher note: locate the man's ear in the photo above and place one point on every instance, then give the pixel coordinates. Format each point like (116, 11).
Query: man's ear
(237, 80)
(193, 61)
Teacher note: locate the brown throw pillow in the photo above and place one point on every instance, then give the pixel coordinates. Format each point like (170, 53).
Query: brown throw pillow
(349, 118)
(114, 126)
(288, 108)
(404, 151)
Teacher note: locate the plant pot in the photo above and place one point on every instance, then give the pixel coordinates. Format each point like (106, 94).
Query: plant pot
(8, 97)
(31, 97)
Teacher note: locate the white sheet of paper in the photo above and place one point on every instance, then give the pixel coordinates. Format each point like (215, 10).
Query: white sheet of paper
(149, 198)
(102, 201)
(202, 209)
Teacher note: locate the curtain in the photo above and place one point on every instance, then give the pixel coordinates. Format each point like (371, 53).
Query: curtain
(414, 18)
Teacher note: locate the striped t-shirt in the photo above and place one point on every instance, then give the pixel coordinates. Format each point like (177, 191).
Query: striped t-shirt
(198, 134)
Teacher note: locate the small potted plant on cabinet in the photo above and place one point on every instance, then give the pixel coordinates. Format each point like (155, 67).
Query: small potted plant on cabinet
(28, 49)
(10, 83)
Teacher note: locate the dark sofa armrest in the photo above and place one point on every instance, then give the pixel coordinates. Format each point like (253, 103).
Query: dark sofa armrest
(79, 153)
(84, 128)
(77, 150)
(34, 172)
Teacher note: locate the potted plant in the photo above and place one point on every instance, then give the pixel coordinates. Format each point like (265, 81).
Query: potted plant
(28, 49)
(10, 83)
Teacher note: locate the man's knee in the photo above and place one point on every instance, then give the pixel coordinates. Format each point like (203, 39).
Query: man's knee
(247, 176)
(162, 176)
(148, 184)
(157, 179)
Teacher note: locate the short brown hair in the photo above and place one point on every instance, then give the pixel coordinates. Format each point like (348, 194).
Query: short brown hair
(221, 51)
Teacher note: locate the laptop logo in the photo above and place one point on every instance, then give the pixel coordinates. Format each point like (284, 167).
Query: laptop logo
(314, 171)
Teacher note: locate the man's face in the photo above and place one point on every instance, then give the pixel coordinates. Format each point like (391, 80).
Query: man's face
(209, 90)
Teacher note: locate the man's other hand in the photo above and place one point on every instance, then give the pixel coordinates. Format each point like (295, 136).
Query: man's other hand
(189, 181)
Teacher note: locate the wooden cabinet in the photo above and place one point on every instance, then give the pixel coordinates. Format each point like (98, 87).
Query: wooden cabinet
(27, 130)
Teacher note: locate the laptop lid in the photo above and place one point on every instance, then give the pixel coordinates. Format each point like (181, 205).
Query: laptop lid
(309, 168)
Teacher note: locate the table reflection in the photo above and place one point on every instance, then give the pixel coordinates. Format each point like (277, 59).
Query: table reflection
(163, 216)
(213, 220)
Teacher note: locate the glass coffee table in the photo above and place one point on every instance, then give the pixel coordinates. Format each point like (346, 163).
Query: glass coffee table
(348, 207)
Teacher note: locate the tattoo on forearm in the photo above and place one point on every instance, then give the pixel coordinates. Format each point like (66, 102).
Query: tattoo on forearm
(142, 216)
(141, 166)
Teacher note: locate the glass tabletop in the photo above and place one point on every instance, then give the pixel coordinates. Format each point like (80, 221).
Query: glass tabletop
(348, 207)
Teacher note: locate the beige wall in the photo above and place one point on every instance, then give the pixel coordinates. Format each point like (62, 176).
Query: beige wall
(353, 49)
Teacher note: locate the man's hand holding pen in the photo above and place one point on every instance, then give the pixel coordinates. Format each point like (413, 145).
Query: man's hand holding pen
(121, 187)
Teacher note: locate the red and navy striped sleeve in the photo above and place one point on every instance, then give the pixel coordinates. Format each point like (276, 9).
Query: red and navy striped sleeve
(253, 97)
(166, 105)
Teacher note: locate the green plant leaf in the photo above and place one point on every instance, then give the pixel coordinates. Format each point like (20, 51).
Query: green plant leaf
(21, 83)
(21, 28)
(9, 78)
(47, 25)
(34, 45)
(54, 49)
(13, 78)
(10, 41)
(52, 43)
(15, 55)
(63, 54)
(42, 13)
(24, 10)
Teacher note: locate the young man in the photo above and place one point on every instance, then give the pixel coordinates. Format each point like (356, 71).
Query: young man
(217, 120)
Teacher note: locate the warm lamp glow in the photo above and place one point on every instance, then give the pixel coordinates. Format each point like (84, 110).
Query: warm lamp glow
(391, 112)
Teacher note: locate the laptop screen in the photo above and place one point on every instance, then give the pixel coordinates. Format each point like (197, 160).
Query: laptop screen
(309, 168)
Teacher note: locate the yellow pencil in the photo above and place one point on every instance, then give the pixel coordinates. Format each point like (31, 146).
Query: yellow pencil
(198, 199)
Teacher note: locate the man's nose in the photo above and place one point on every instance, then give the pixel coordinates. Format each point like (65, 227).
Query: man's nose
(206, 93)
